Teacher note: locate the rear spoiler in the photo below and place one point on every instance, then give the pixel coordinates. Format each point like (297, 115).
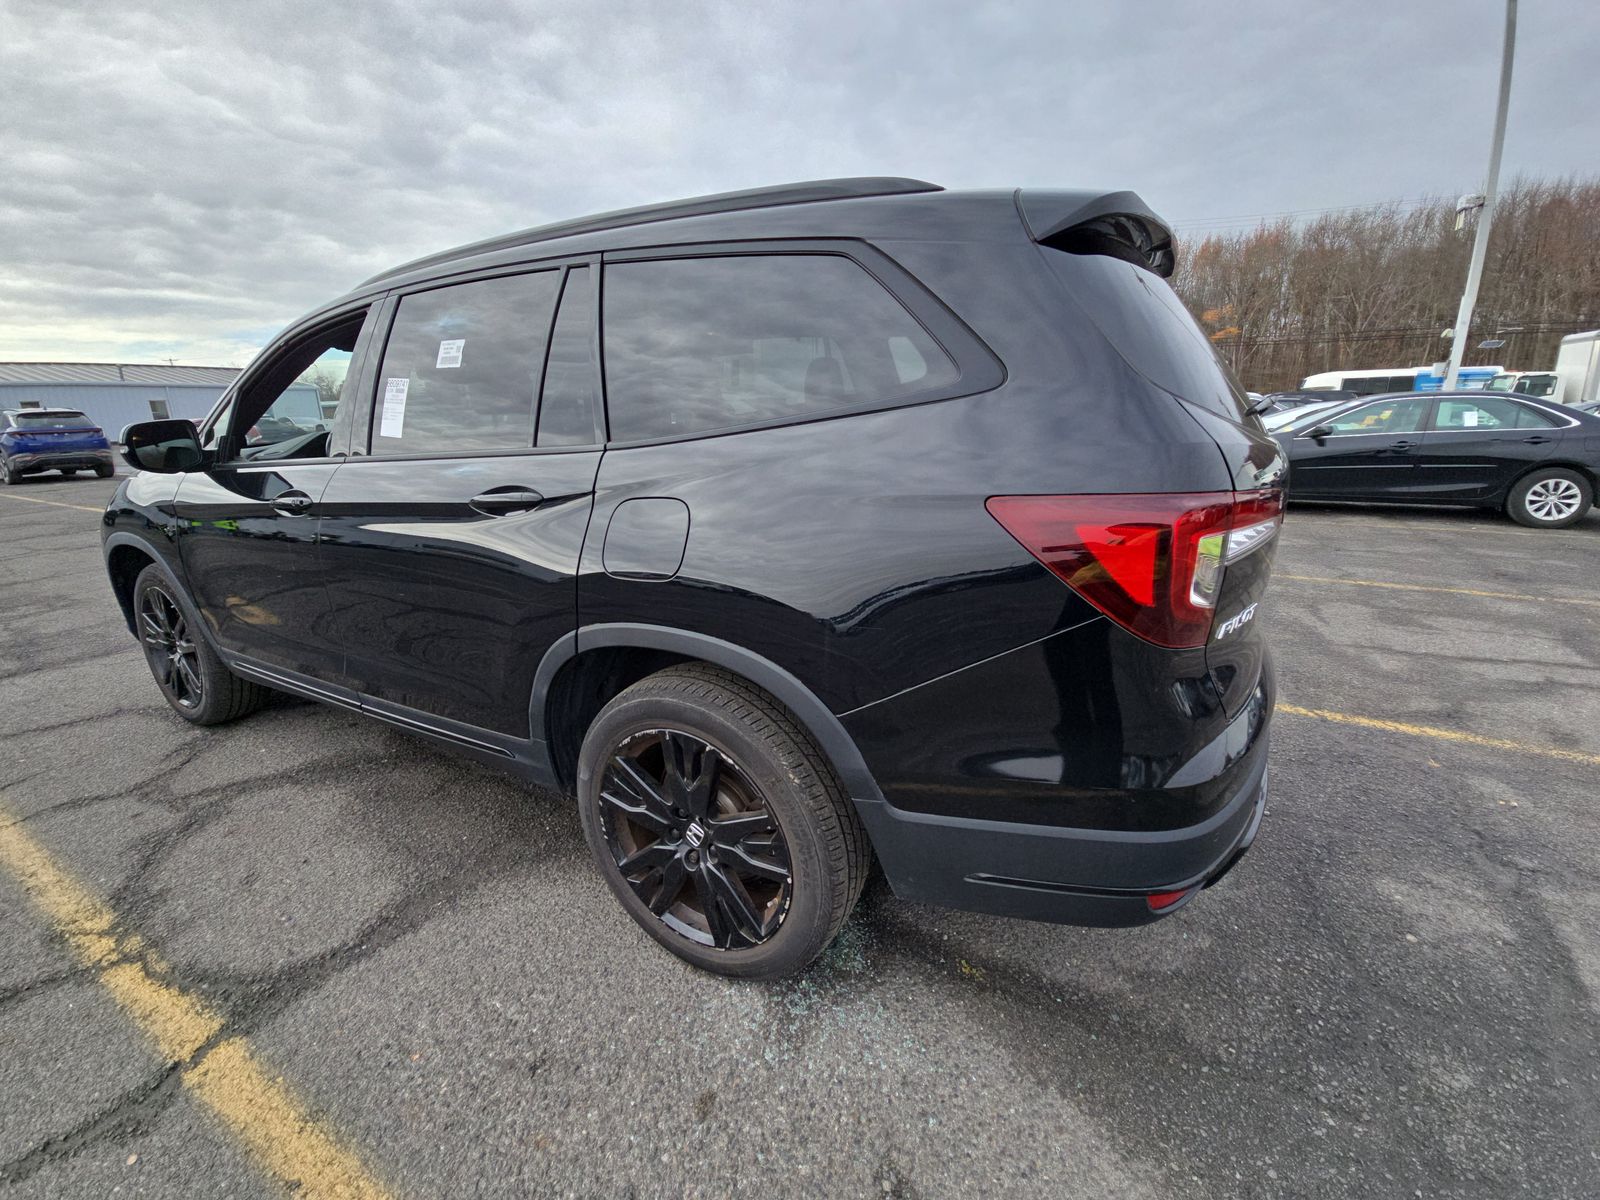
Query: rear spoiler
(1116, 224)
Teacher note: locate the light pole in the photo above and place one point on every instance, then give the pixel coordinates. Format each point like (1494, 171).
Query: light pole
(1480, 243)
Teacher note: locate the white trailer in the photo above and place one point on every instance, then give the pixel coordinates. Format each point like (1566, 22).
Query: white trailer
(1578, 368)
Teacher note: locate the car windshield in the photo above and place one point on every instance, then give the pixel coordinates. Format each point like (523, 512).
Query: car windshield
(51, 420)
(1292, 416)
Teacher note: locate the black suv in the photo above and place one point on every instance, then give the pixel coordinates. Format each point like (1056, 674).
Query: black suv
(784, 528)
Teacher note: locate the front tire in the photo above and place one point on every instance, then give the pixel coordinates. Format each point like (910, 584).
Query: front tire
(1550, 498)
(719, 824)
(192, 679)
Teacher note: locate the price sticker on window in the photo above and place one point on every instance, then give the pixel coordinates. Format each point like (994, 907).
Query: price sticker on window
(394, 407)
(450, 353)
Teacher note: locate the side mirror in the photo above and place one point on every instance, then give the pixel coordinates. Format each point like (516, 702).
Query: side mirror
(1319, 432)
(169, 447)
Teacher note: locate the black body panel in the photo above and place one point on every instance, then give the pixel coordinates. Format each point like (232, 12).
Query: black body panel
(442, 607)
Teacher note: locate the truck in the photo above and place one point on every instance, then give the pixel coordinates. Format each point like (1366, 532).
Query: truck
(1578, 368)
(1575, 380)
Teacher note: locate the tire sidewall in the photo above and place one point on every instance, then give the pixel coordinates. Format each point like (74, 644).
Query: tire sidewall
(805, 927)
(214, 677)
(1517, 506)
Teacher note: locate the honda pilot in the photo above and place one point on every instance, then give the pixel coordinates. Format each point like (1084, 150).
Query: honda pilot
(784, 530)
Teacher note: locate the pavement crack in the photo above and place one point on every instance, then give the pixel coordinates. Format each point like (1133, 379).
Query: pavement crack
(131, 1114)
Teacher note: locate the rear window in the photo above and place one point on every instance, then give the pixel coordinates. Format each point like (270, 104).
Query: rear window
(694, 345)
(52, 420)
(1143, 319)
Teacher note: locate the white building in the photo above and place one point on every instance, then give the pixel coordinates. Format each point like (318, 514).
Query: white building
(114, 395)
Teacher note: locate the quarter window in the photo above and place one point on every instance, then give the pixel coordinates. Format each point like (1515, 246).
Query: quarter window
(700, 344)
(1386, 416)
(462, 366)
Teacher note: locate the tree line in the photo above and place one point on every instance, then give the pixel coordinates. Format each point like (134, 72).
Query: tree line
(1374, 287)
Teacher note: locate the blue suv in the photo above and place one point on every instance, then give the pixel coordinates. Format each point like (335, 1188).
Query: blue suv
(51, 439)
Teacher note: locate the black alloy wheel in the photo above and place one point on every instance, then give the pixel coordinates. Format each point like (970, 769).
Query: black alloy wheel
(695, 839)
(718, 823)
(170, 648)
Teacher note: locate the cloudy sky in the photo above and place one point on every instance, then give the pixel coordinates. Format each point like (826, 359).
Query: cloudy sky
(183, 181)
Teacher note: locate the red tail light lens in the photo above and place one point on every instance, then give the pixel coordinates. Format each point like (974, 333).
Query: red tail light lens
(1153, 563)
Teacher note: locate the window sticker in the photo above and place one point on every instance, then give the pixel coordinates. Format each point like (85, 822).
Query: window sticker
(1469, 418)
(394, 407)
(450, 353)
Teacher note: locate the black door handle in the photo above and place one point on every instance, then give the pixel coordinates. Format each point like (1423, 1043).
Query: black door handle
(1538, 439)
(497, 502)
(1403, 444)
(293, 504)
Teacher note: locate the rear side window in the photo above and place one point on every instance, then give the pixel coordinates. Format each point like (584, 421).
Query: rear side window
(1488, 413)
(694, 345)
(1143, 319)
(462, 366)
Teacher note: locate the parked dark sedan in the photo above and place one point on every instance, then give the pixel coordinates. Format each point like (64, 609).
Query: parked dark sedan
(1534, 460)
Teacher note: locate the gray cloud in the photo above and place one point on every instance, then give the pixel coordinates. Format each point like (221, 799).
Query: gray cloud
(184, 180)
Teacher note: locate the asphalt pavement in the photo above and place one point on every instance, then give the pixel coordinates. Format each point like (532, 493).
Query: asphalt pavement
(1395, 994)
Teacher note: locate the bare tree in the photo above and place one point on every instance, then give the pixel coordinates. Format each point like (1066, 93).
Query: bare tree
(1375, 287)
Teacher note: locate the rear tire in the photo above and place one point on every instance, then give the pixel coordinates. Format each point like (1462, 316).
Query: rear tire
(192, 679)
(7, 475)
(105, 472)
(747, 856)
(1550, 498)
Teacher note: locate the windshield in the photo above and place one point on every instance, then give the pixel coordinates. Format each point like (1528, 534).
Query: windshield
(1312, 414)
(1293, 416)
(51, 420)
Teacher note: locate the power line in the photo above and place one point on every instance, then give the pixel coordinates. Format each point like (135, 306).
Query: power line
(1241, 220)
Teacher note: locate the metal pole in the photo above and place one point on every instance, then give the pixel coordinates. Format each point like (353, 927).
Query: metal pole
(1480, 244)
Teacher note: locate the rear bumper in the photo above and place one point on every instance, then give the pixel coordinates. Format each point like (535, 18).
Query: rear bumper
(22, 464)
(1035, 871)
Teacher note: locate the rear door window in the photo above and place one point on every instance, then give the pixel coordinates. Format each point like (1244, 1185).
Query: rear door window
(694, 345)
(462, 365)
(1487, 413)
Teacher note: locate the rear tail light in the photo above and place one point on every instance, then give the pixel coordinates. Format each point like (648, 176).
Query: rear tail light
(1162, 901)
(1153, 563)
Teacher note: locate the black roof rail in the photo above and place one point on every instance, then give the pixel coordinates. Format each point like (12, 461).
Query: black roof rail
(694, 206)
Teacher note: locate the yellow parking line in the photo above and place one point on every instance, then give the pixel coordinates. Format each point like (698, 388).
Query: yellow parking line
(259, 1109)
(1455, 591)
(1501, 530)
(1447, 735)
(51, 503)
